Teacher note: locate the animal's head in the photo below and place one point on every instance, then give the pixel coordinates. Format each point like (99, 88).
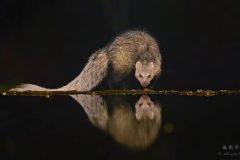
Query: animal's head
(145, 72)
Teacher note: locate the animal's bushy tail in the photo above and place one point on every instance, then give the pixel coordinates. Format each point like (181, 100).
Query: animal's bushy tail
(91, 75)
(31, 87)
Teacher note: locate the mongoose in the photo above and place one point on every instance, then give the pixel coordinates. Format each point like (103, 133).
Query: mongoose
(130, 51)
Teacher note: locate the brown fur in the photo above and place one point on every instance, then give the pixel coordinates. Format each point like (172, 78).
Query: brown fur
(122, 54)
(130, 47)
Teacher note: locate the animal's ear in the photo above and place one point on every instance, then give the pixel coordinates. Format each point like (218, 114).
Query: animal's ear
(138, 64)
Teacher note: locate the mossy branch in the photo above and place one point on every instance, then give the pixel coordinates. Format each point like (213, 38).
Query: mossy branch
(198, 92)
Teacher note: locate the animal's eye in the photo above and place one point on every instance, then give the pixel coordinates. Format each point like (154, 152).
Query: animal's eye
(140, 104)
(140, 75)
(149, 76)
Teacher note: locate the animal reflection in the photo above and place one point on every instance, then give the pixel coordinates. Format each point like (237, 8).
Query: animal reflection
(134, 130)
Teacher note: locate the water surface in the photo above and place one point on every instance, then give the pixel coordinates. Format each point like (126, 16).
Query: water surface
(119, 127)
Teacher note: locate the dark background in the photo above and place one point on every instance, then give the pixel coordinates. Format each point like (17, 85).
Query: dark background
(49, 42)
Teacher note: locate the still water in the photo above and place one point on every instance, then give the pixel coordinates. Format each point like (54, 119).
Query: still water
(119, 127)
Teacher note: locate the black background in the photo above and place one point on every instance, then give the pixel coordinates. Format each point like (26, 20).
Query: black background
(49, 42)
